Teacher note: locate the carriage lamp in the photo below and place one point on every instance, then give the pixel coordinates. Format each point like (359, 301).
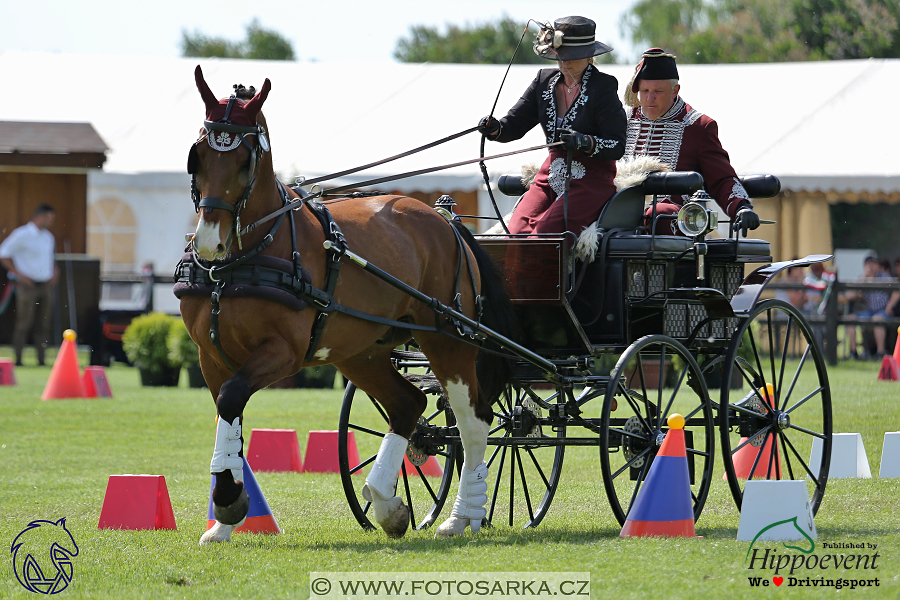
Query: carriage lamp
(695, 219)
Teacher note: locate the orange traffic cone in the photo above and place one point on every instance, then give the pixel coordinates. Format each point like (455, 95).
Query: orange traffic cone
(259, 518)
(897, 348)
(65, 378)
(663, 506)
(890, 365)
(743, 459)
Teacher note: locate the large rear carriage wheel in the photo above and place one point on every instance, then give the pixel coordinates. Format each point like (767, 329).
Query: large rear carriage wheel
(655, 377)
(779, 426)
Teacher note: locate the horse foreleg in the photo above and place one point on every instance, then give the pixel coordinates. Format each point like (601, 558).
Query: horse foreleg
(404, 403)
(230, 500)
(468, 510)
(381, 486)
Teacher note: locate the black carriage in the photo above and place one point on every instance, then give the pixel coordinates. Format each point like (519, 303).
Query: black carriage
(650, 326)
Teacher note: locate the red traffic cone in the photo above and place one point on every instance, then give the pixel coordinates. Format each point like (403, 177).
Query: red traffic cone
(7, 372)
(65, 378)
(274, 450)
(663, 506)
(322, 452)
(259, 518)
(136, 502)
(95, 383)
(889, 371)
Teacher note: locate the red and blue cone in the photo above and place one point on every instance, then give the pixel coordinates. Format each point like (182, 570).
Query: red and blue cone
(259, 518)
(663, 507)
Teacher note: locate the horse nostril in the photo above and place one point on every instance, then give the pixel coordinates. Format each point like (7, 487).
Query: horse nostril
(220, 248)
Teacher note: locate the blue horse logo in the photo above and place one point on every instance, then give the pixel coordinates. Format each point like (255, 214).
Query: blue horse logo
(40, 545)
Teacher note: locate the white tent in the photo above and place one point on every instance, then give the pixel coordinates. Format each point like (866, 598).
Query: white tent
(818, 126)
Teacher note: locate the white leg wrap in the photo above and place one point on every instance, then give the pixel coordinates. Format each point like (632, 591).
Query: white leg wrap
(381, 486)
(468, 510)
(382, 479)
(226, 454)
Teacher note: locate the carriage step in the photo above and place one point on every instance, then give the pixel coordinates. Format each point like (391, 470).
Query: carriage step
(408, 355)
(428, 383)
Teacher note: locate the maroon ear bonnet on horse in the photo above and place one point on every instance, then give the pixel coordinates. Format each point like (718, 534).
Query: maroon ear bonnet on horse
(242, 113)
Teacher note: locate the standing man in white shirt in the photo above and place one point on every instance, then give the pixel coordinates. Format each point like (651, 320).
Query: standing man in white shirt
(28, 257)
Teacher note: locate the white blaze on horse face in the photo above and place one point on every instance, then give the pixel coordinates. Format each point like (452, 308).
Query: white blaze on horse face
(208, 239)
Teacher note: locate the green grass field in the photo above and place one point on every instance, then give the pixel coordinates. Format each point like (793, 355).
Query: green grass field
(56, 458)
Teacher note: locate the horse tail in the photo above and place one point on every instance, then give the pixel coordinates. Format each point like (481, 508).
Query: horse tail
(494, 371)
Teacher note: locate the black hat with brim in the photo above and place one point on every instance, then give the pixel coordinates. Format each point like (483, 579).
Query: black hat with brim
(570, 38)
(655, 64)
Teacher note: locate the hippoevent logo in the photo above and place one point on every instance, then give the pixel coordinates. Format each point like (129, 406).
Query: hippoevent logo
(42, 556)
(802, 566)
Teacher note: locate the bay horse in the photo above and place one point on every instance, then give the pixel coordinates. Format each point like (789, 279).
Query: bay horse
(248, 341)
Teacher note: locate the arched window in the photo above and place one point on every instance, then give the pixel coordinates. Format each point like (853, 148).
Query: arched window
(112, 234)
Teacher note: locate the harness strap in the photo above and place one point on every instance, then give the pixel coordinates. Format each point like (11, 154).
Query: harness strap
(334, 235)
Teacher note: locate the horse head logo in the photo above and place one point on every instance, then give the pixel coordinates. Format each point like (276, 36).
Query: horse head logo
(42, 556)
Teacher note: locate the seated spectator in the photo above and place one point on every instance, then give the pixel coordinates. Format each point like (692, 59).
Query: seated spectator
(877, 306)
(818, 284)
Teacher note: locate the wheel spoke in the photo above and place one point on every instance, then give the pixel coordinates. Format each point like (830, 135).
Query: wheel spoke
(409, 502)
(630, 462)
(787, 455)
(637, 485)
(512, 484)
(497, 484)
(696, 452)
(672, 397)
(811, 394)
(821, 436)
(751, 438)
(802, 462)
(379, 409)
(635, 408)
(537, 466)
(362, 429)
(659, 387)
(770, 401)
(787, 396)
(784, 355)
(524, 486)
(366, 462)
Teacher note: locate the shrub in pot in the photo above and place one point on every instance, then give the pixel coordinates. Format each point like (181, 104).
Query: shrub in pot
(184, 352)
(145, 342)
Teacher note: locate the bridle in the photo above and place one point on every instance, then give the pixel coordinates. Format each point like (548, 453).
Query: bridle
(224, 136)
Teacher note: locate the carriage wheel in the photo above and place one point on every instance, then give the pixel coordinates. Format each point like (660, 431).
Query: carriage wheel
(779, 425)
(637, 404)
(421, 488)
(524, 468)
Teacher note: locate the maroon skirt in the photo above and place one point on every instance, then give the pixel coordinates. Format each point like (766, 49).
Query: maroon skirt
(542, 210)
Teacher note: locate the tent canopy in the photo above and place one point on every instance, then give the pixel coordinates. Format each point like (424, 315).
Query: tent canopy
(800, 121)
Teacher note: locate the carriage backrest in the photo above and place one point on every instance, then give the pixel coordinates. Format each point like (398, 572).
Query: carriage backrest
(626, 209)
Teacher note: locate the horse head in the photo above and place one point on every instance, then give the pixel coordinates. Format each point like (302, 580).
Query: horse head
(225, 164)
(35, 549)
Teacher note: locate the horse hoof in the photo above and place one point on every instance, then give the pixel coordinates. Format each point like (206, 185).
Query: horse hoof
(457, 526)
(396, 524)
(234, 513)
(218, 533)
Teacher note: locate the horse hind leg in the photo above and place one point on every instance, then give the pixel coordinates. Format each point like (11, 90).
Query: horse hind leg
(473, 421)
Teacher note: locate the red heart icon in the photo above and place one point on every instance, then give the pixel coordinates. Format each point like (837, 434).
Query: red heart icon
(778, 580)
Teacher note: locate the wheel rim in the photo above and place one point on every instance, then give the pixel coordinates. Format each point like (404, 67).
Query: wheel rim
(524, 475)
(775, 433)
(424, 495)
(635, 409)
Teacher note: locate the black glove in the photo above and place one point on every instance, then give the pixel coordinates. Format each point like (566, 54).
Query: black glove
(745, 219)
(489, 126)
(572, 140)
